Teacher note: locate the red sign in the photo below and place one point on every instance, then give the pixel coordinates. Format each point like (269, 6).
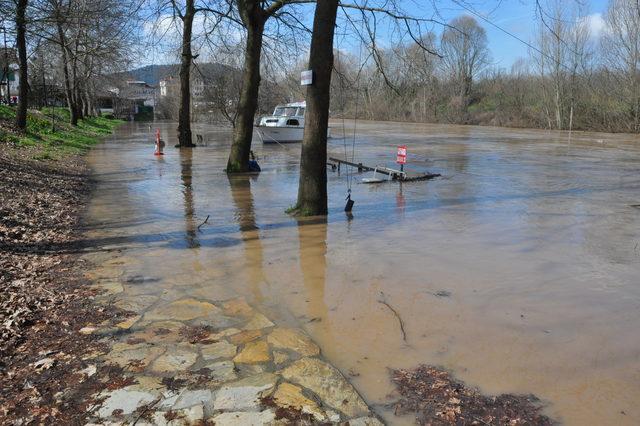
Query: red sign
(401, 158)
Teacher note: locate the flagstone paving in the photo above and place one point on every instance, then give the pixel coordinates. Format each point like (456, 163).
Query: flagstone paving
(221, 362)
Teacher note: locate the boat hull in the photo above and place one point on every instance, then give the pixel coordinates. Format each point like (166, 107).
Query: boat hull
(272, 134)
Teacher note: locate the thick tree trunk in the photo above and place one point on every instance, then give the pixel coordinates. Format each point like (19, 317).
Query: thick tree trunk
(79, 104)
(77, 94)
(312, 189)
(184, 112)
(21, 43)
(68, 91)
(86, 107)
(243, 131)
(467, 83)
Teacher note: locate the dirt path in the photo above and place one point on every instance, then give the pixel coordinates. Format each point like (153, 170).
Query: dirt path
(45, 302)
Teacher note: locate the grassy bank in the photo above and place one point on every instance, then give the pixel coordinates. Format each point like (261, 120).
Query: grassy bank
(49, 130)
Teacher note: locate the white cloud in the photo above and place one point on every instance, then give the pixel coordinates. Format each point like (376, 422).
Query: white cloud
(595, 23)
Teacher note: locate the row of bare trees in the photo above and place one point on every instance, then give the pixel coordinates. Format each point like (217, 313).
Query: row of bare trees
(268, 29)
(571, 77)
(71, 44)
(92, 37)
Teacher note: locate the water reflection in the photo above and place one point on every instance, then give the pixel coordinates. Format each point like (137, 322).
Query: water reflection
(458, 158)
(535, 244)
(400, 201)
(245, 217)
(186, 177)
(312, 237)
(160, 165)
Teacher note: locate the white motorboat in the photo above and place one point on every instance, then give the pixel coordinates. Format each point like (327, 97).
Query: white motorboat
(285, 125)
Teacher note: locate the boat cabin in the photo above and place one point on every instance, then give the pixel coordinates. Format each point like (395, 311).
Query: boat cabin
(287, 115)
(285, 125)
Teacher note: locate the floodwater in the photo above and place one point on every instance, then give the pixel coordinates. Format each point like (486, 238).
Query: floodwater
(519, 269)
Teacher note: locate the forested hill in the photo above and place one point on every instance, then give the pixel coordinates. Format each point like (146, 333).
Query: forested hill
(152, 74)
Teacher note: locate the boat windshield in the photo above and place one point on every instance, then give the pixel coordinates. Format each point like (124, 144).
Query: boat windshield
(286, 111)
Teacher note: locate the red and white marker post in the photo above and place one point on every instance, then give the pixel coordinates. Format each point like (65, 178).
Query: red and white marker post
(159, 144)
(401, 157)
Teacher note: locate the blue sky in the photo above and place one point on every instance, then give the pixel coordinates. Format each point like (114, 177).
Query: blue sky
(515, 16)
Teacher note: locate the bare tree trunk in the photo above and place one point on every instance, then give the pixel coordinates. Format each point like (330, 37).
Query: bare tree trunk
(86, 106)
(635, 97)
(636, 82)
(21, 42)
(248, 104)
(67, 79)
(424, 103)
(636, 115)
(312, 189)
(5, 70)
(77, 95)
(88, 102)
(558, 105)
(77, 99)
(184, 112)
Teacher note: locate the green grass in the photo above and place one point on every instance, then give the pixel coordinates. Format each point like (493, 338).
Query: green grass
(49, 129)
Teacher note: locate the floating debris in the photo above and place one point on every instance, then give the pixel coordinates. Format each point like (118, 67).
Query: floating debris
(383, 300)
(442, 293)
(436, 398)
(394, 175)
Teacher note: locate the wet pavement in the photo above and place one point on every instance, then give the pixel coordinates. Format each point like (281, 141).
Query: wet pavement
(188, 360)
(517, 270)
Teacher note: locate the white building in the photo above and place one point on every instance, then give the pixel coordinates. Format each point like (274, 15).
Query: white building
(170, 86)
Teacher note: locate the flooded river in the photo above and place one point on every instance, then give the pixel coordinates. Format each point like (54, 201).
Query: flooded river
(519, 269)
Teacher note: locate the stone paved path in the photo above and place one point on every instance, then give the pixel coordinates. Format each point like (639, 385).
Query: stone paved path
(197, 361)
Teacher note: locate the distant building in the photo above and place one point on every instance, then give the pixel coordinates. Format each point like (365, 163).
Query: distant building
(139, 91)
(170, 86)
(131, 99)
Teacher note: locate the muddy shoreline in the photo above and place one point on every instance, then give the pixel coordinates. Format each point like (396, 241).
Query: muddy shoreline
(45, 300)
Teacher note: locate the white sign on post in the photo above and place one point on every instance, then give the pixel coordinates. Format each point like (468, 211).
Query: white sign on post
(306, 78)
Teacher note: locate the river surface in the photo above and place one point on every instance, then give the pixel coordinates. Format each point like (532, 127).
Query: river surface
(519, 269)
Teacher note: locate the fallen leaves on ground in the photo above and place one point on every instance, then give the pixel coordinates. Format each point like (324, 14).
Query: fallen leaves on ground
(45, 369)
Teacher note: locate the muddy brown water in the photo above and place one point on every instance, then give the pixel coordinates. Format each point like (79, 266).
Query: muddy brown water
(519, 270)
